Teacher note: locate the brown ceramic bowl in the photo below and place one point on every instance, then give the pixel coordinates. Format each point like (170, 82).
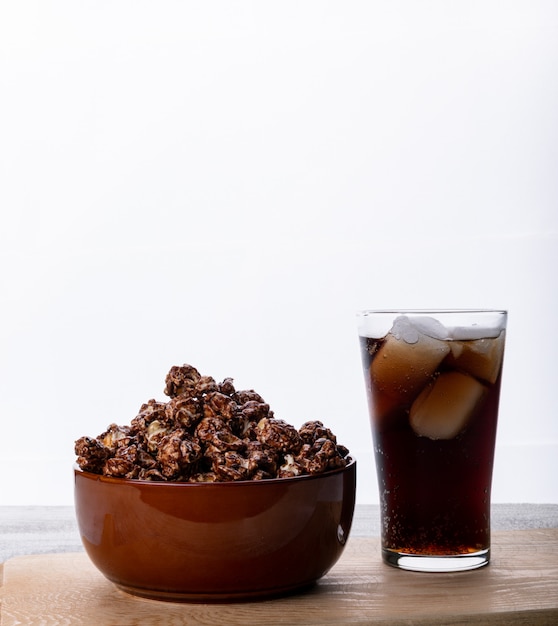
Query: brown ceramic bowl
(215, 542)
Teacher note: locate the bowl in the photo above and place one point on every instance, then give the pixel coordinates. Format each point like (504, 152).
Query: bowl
(215, 542)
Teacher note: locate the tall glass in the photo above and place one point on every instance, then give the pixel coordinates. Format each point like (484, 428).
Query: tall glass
(433, 385)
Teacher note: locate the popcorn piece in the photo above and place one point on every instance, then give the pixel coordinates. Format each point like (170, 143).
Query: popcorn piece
(223, 440)
(255, 411)
(118, 467)
(184, 410)
(248, 395)
(177, 454)
(148, 413)
(265, 459)
(136, 455)
(207, 428)
(205, 385)
(217, 404)
(204, 477)
(233, 467)
(319, 457)
(290, 467)
(91, 454)
(279, 435)
(153, 474)
(116, 436)
(156, 431)
(444, 408)
(226, 387)
(311, 431)
(181, 379)
(152, 410)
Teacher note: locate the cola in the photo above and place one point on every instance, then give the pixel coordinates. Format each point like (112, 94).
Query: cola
(433, 392)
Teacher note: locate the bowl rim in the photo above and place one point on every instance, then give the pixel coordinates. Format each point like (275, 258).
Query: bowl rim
(229, 484)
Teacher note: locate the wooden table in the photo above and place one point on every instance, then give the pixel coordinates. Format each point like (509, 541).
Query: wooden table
(520, 586)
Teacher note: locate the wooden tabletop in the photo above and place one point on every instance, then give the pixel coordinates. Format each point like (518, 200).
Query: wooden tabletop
(520, 586)
(46, 529)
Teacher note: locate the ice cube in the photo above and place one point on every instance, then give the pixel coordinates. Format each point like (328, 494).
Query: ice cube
(430, 326)
(476, 331)
(481, 358)
(443, 409)
(406, 361)
(403, 329)
(385, 410)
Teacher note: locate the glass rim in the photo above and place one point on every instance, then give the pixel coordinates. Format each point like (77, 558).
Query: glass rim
(376, 323)
(431, 311)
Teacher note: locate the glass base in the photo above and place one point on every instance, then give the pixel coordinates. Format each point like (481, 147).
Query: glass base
(430, 563)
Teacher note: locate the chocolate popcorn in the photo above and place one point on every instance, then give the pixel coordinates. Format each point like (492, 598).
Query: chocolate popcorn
(209, 432)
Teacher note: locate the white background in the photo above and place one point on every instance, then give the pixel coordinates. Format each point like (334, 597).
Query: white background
(226, 183)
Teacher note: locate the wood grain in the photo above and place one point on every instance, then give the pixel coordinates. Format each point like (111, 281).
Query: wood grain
(520, 586)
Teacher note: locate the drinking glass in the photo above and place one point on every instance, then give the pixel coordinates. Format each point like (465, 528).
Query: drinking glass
(433, 385)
